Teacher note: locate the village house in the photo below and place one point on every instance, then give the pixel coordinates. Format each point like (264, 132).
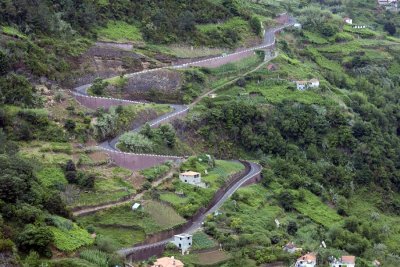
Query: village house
(213, 95)
(297, 25)
(304, 85)
(307, 260)
(348, 20)
(183, 242)
(190, 177)
(135, 206)
(291, 248)
(344, 261)
(168, 262)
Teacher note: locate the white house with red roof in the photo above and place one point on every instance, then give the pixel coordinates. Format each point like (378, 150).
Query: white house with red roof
(307, 260)
(344, 261)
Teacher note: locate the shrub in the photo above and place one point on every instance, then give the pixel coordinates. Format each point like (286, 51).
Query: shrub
(135, 142)
(98, 86)
(35, 238)
(255, 25)
(6, 245)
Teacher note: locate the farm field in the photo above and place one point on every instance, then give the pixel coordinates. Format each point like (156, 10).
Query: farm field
(119, 31)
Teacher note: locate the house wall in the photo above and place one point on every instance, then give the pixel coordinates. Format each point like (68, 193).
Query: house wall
(190, 179)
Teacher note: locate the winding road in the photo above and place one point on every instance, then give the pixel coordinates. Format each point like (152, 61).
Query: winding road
(177, 110)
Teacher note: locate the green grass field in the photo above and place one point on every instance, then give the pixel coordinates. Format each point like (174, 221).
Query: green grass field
(13, 32)
(119, 31)
(52, 177)
(202, 241)
(68, 236)
(163, 215)
(122, 215)
(122, 237)
(318, 211)
(155, 172)
(221, 172)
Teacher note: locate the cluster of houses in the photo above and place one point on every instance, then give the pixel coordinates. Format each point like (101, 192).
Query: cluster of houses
(310, 259)
(388, 4)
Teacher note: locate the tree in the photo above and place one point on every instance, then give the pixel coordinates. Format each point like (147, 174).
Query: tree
(186, 22)
(255, 25)
(147, 131)
(37, 238)
(4, 65)
(390, 28)
(135, 142)
(70, 166)
(98, 86)
(70, 125)
(168, 134)
(286, 200)
(12, 187)
(292, 228)
(16, 89)
(87, 181)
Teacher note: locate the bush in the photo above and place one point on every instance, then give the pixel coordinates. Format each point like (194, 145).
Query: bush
(255, 25)
(98, 86)
(6, 245)
(35, 238)
(135, 142)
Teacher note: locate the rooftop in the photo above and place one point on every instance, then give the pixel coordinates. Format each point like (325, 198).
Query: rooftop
(348, 259)
(190, 173)
(309, 257)
(183, 235)
(168, 262)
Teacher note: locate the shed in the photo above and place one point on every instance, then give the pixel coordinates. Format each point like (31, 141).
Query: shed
(135, 206)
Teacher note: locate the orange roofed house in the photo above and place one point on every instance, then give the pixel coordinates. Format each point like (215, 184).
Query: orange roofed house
(168, 262)
(307, 260)
(344, 261)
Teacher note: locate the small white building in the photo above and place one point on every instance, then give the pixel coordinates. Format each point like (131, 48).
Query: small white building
(348, 20)
(344, 261)
(307, 260)
(297, 25)
(304, 85)
(135, 206)
(183, 242)
(191, 177)
(213, 95)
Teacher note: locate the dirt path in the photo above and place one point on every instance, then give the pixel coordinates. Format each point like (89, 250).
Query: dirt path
(136, 197)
